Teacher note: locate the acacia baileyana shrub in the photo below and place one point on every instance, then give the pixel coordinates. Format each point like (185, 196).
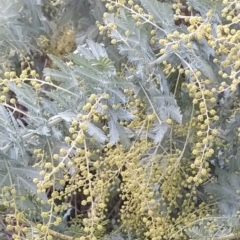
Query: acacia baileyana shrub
(120, 119)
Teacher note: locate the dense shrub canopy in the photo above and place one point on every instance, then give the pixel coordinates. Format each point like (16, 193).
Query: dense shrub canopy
(119, 119)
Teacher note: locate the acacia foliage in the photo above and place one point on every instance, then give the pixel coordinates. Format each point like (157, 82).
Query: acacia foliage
(124, 113)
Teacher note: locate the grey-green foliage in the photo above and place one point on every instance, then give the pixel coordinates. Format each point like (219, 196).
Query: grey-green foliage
(15, 159)
(204, 6)
(224, 193)
(139, 53)
(94, 71)
(165, 19)
(99, 76)
(202, 232)
(225, 190)
(98, 73)
(20, 22)
(66, 99)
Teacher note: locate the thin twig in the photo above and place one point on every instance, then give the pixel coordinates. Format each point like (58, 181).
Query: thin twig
(158, 60)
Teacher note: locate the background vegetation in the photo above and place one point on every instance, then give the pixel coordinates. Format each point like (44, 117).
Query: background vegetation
(119, 119)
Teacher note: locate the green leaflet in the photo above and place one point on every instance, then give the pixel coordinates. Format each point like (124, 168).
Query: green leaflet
(104, 64)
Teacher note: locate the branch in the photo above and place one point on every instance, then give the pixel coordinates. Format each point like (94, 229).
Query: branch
(59, 235)
(158, 60)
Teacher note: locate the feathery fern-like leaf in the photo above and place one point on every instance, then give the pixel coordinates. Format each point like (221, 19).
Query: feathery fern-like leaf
(162, 12)
(96, 132)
